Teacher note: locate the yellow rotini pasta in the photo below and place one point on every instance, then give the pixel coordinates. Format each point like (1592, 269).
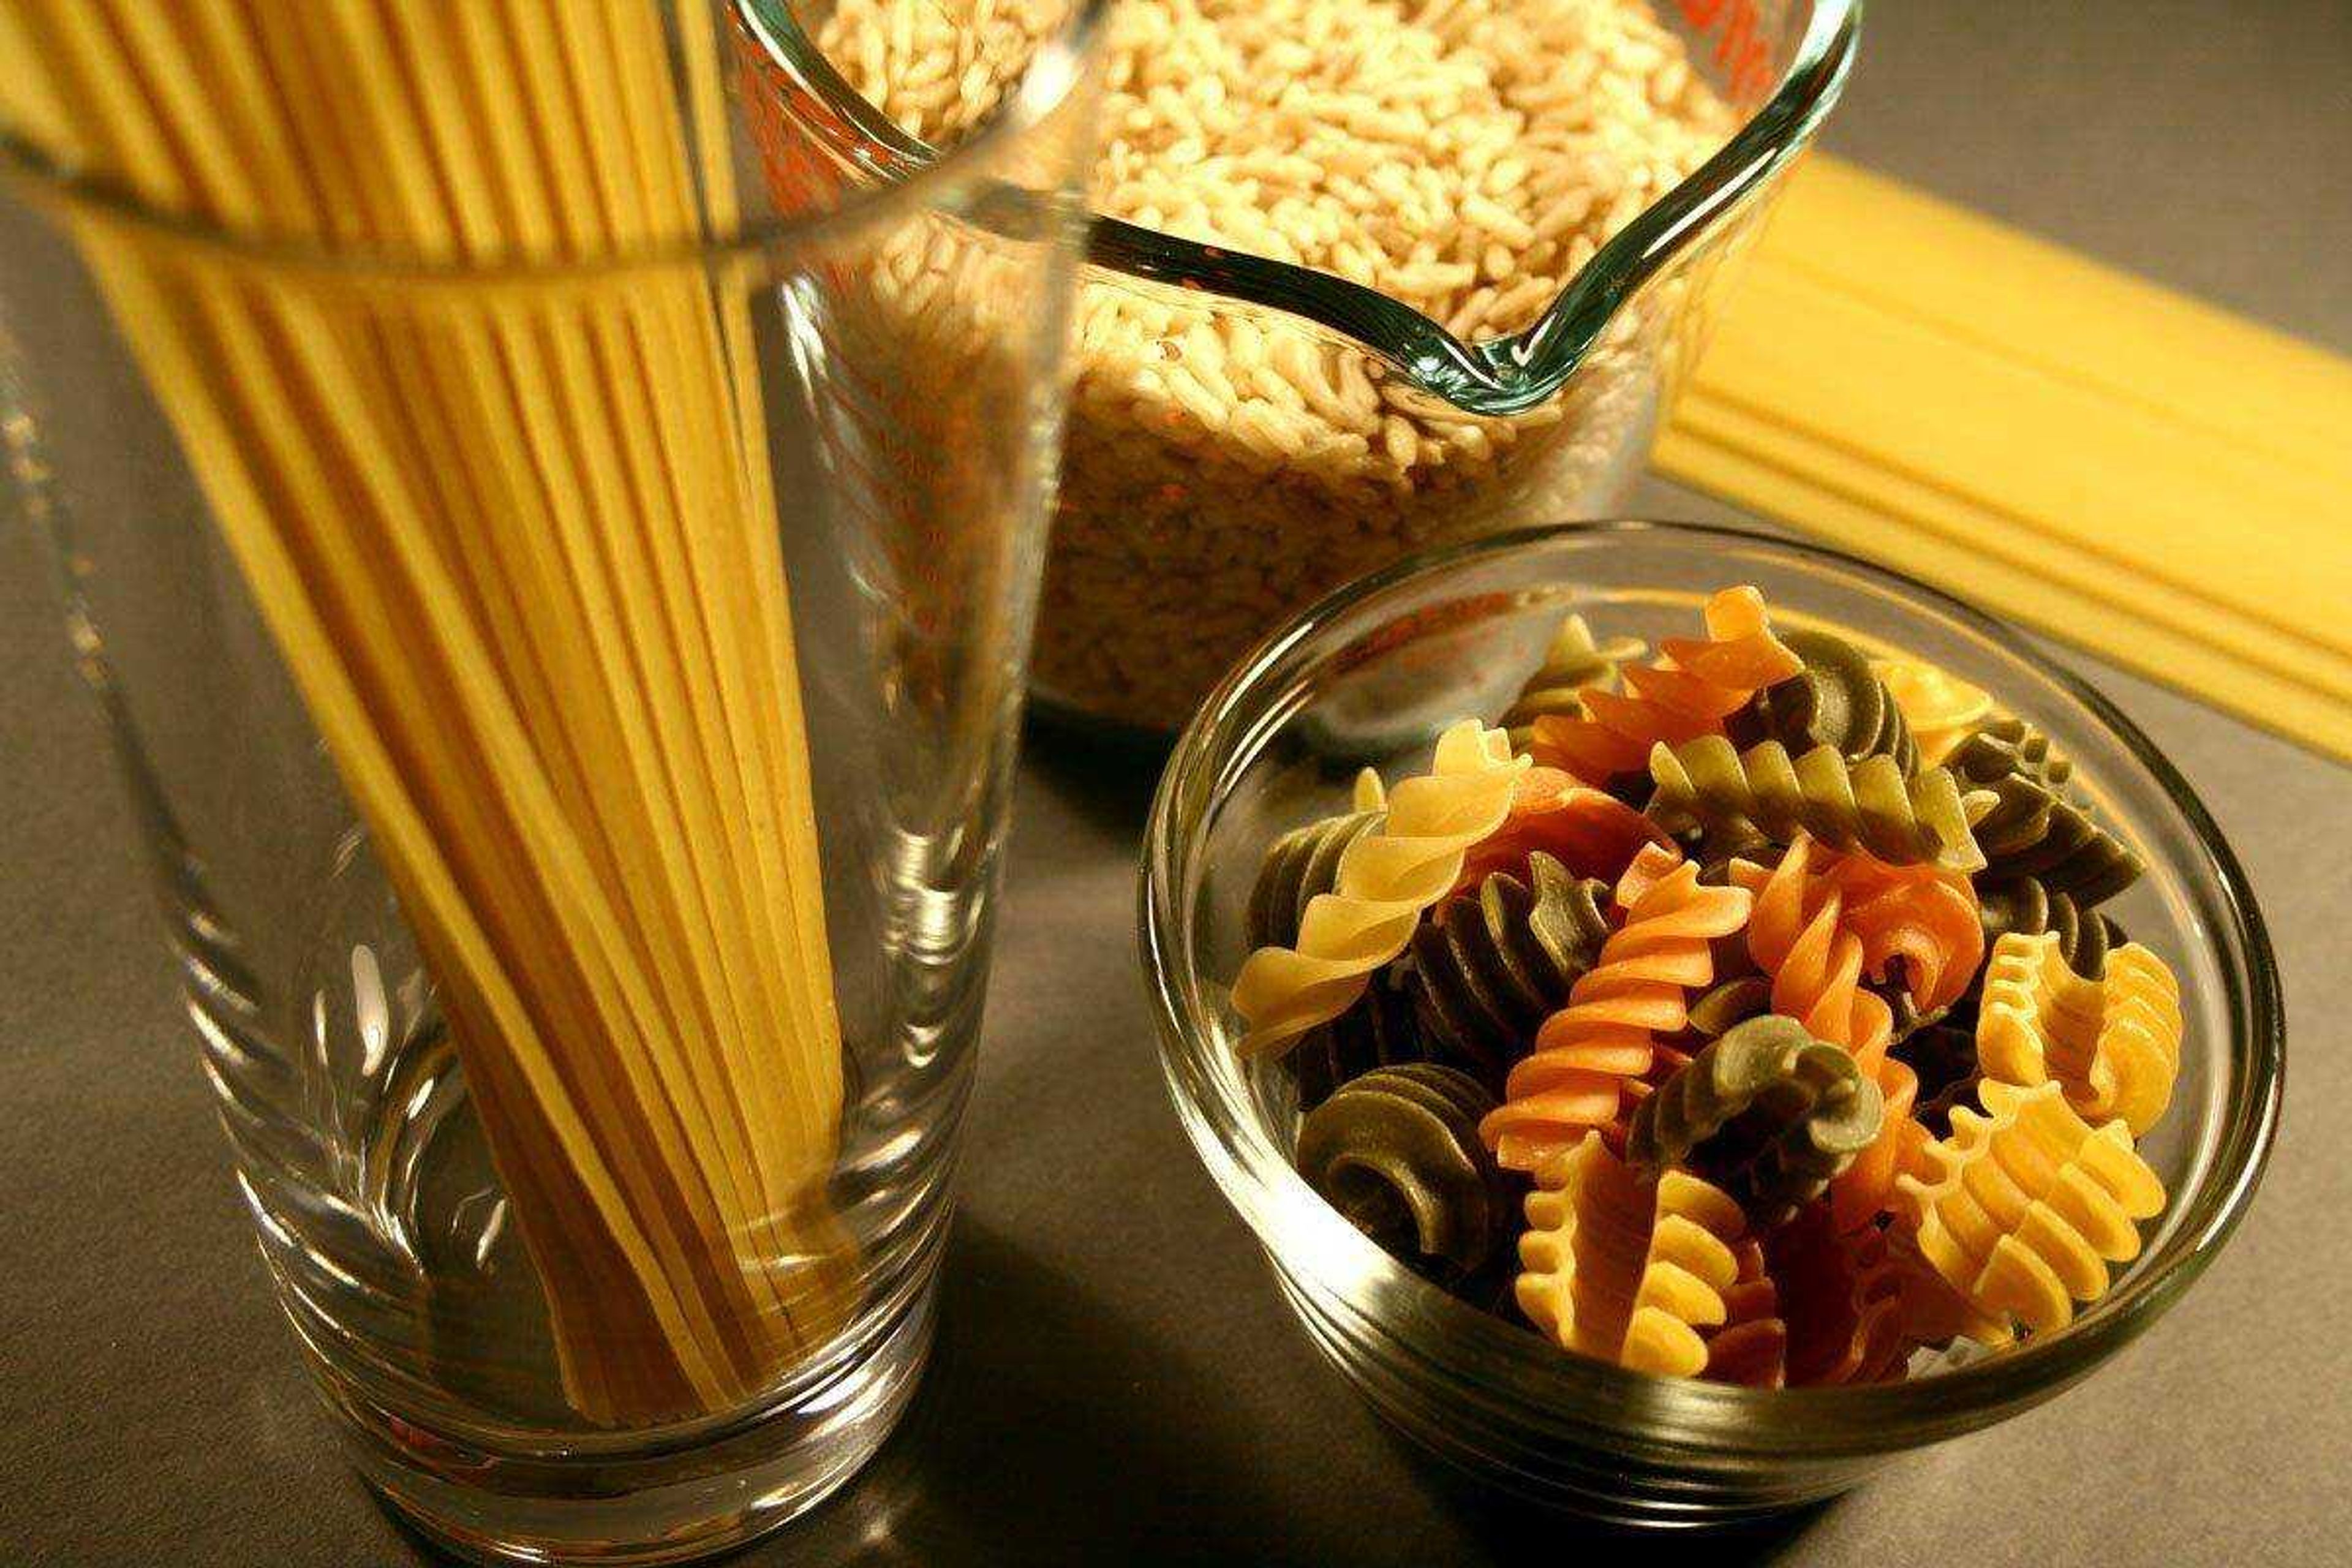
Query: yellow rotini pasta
(2112, 1045)
(1941, 709)
(1385, 880)
(1626, 1269)
(2026, 1206)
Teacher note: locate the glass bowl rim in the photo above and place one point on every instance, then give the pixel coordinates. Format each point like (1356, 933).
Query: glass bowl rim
(1453, 1334)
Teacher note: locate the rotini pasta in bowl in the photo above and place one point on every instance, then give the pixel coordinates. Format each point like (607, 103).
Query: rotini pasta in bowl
(1692, 1016)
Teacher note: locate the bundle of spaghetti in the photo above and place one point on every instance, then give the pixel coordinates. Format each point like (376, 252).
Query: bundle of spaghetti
(2112, 1045)
(1585, 1053)
(1384, 880)
(1688, 692)
(518, 547)
(1592, 833)
(2028, 1205)
(1624, 1268)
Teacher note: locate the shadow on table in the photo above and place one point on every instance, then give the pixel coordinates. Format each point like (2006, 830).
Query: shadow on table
(1107, 777)
(1029, 1441)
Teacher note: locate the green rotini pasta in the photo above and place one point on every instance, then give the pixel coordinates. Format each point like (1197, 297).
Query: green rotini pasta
(1836, 700)
(1299, 864)
(2006, 746)
(1396, 1151)
(1378, 1031)
(2027, 906)
(1868, 806)
(1767, 1113)
(2031, 834)
(1488, 968)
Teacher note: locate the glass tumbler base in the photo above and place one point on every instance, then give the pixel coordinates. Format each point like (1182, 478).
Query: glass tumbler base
(667, 1504)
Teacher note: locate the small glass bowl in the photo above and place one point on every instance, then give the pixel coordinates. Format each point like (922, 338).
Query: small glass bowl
(1369, 675)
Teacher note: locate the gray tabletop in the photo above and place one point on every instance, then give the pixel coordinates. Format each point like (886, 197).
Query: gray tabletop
(1119, 1381)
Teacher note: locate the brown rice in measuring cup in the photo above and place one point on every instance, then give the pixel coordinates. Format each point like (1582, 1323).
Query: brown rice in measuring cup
(1224, 463)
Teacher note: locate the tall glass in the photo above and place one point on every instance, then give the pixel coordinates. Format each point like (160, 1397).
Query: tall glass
(556, 555)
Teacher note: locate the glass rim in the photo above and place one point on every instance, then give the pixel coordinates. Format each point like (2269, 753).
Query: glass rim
(1495, 376)
(1055, 73)
(1259, 1181)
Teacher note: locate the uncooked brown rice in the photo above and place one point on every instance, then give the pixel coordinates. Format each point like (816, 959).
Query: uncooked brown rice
(1224, 465)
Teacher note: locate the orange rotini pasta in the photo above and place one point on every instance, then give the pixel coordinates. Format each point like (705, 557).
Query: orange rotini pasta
(1796, 937)
(1690, 691)
(1573, 1079)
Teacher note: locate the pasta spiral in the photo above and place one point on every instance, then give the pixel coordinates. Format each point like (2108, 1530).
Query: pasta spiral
(1592, 833)
(1795, 936)
(1573, 663)
(1800, 935)
(2112, 1045)
(1377, 1030)
(1396, 1151)
(2027, 908)
(1941, 709)
(2009, 747)
(1767, 1114)
(1623, 1269)
(1689, 692)
(1606, 1035)
(1751, 1347)
(2028, 1205)
(1487, 969)
(2030, 832)
(1298, 867)
(1835, 701)
(1867, 805)
(1384, 880)
(1842, 1296)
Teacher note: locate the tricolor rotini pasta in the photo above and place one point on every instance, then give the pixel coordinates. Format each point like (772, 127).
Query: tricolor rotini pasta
(1821, 1062)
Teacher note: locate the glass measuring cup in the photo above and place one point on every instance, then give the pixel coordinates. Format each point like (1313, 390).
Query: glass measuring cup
(1198, 508)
